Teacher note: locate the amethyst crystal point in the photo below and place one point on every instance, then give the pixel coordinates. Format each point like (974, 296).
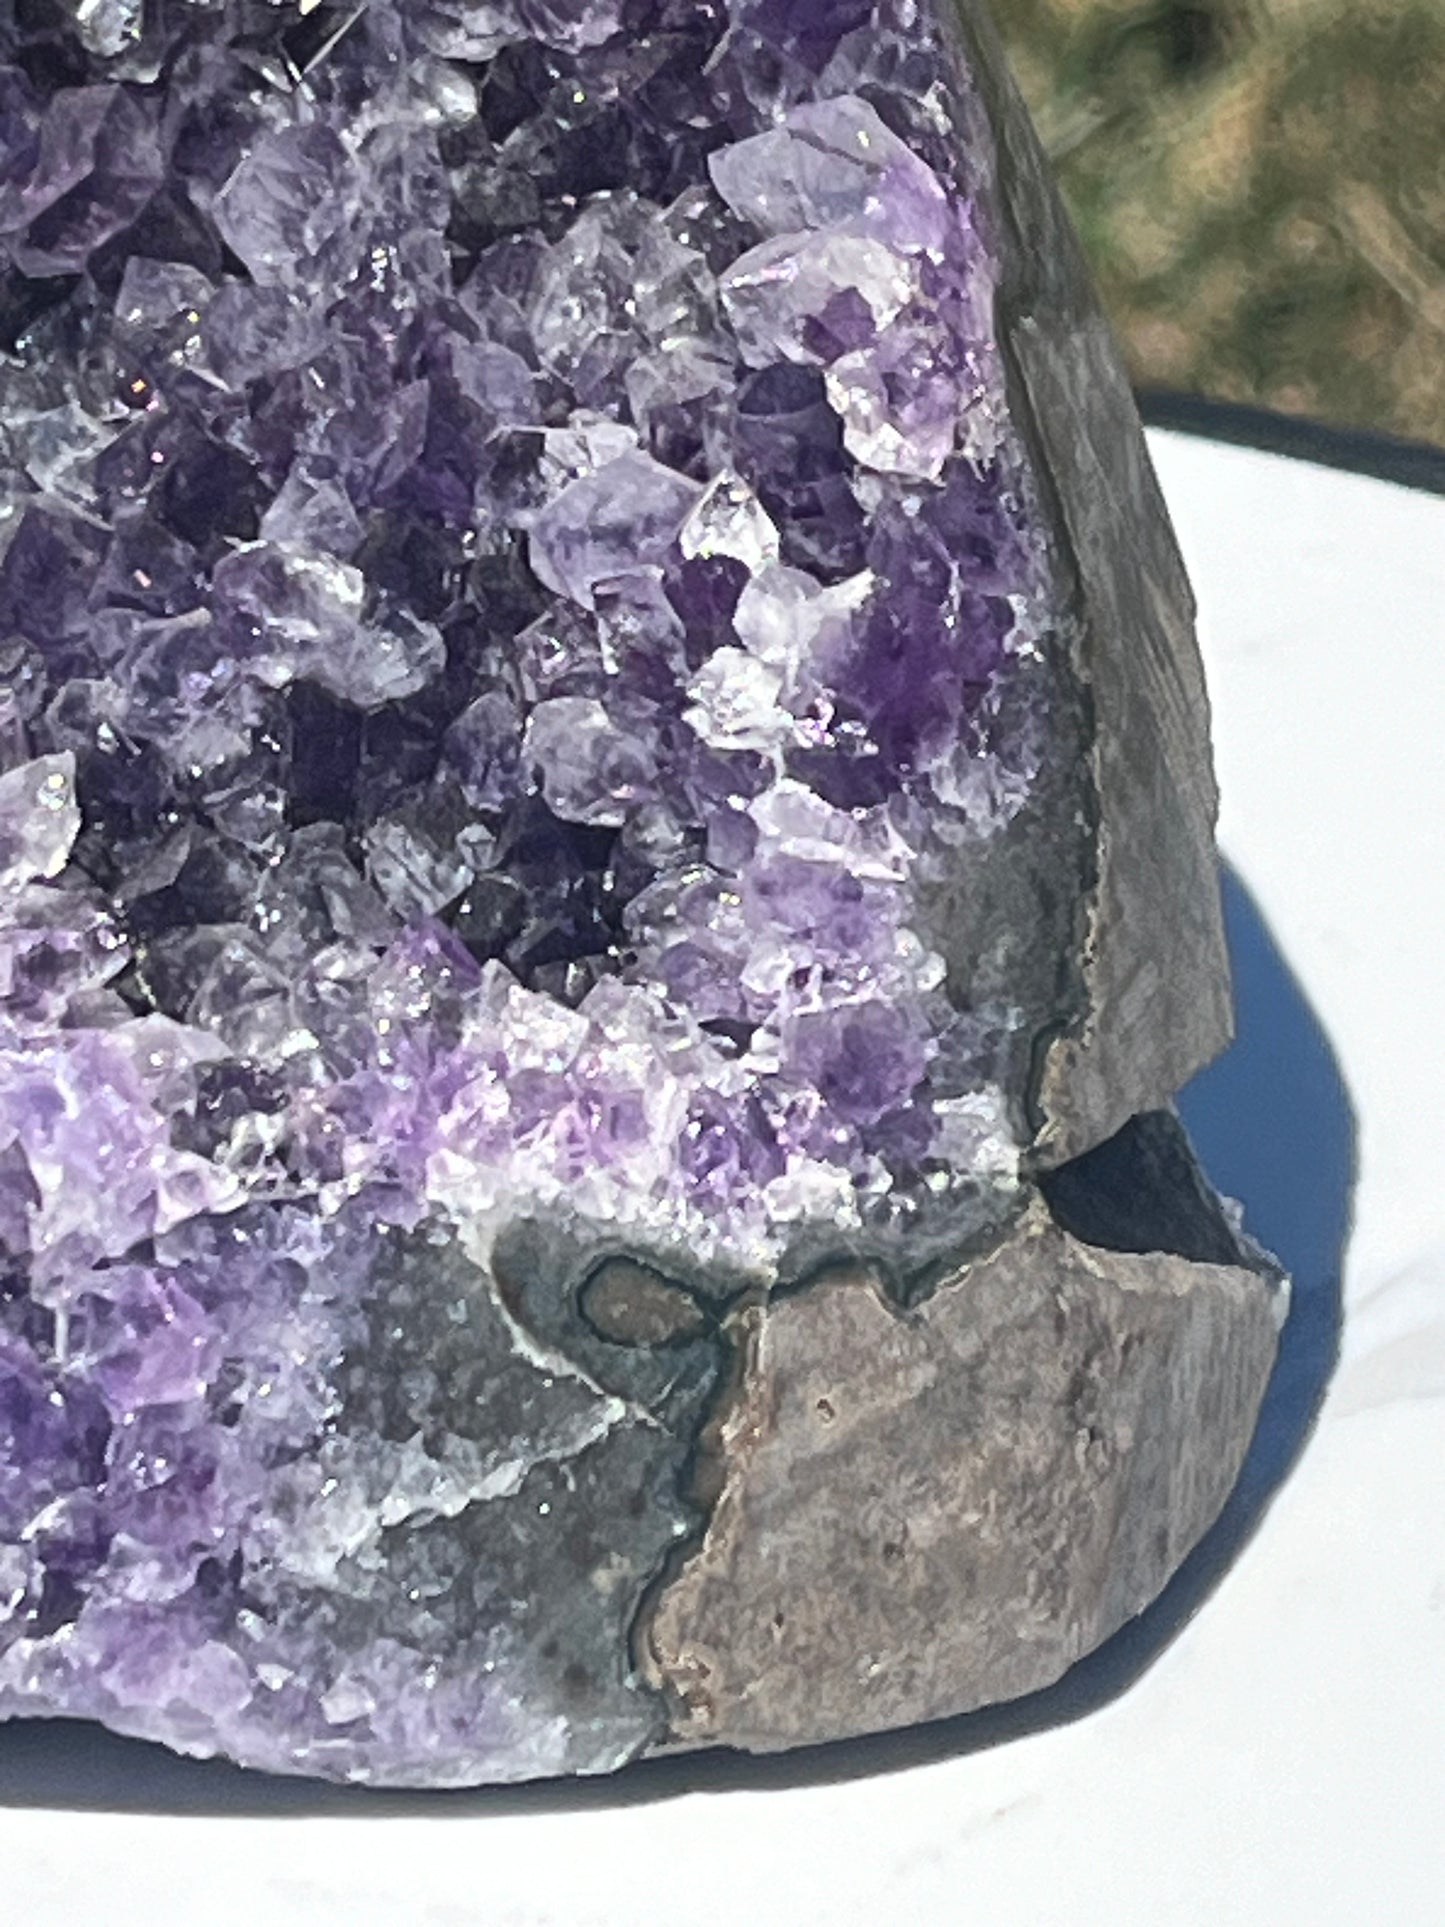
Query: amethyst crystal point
(599, 718)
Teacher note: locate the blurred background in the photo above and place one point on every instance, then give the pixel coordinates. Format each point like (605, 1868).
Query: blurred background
(1261, 184)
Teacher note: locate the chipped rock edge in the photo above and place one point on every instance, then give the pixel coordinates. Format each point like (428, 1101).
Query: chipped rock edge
(1154, 1004)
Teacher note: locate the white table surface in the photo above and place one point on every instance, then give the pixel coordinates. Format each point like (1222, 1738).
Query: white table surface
(1282, 1760)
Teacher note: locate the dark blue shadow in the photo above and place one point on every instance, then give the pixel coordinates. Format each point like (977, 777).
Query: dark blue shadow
(1274, 1127)
(1358, 451)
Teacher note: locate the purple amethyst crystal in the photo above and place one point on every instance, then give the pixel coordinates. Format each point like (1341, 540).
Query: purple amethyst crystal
(548, 790)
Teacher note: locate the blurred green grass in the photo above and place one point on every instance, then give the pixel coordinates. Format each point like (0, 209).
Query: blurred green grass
(1261, 185)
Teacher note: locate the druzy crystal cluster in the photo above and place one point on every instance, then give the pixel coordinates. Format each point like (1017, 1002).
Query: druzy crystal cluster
(519, 589)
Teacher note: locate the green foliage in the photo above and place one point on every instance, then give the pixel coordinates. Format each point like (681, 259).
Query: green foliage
(1261, 184)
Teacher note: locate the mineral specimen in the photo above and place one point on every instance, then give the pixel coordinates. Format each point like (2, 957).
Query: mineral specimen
(604, 801)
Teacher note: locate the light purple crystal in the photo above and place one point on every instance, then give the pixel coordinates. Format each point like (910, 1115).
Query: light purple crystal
(517, 581)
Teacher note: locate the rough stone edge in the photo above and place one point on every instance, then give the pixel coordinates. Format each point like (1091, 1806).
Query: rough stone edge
(1155, 996)
(1159, 1436)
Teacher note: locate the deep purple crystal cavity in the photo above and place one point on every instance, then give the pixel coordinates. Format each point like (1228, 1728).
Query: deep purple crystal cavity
(521, 593)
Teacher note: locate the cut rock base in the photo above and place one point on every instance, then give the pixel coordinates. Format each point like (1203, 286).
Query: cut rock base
(922, 1511)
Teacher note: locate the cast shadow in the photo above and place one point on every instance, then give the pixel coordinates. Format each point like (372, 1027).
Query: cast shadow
(1273, 1124)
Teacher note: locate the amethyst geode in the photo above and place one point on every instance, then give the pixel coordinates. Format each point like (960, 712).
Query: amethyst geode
(606, 801)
